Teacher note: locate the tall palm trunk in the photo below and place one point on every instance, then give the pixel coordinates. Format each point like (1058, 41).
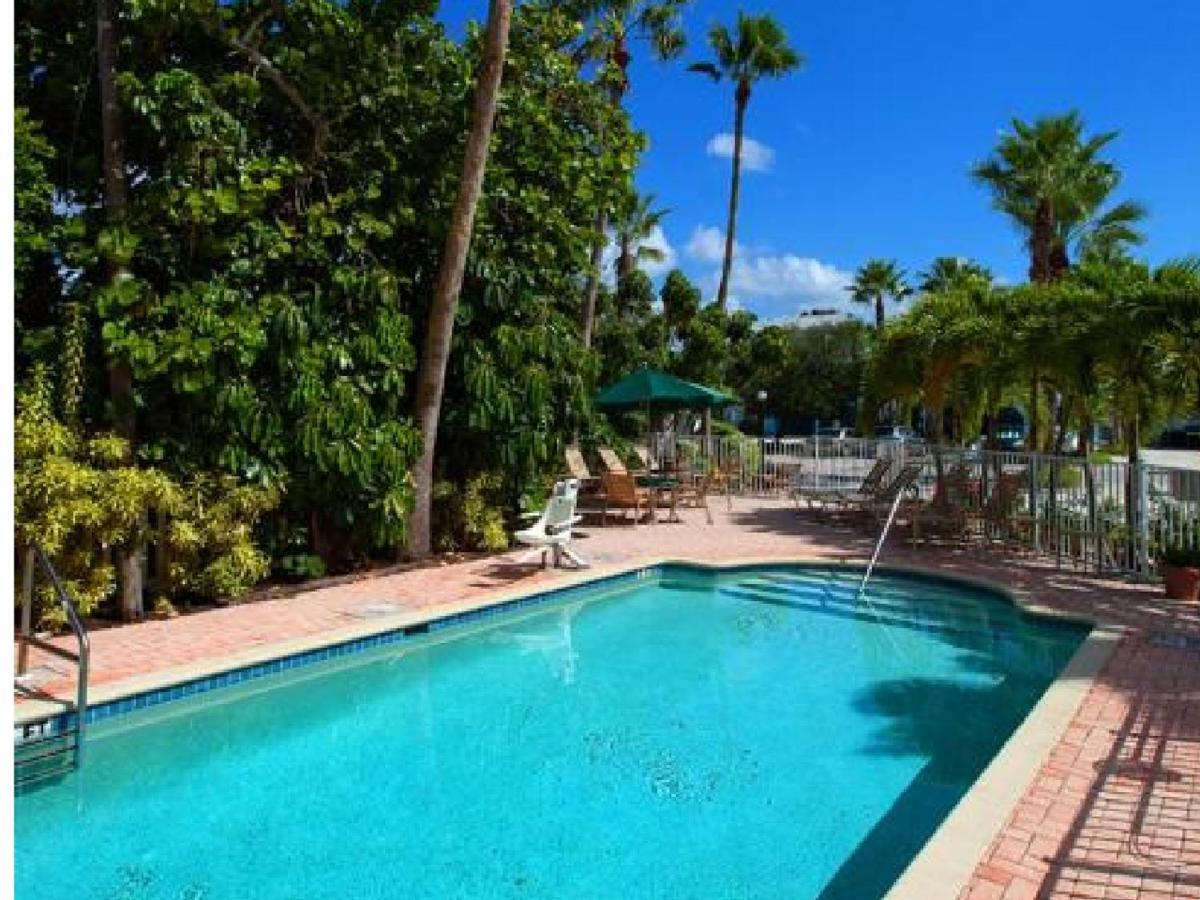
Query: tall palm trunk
(620, 58)
(1042, 243)
(116, 201)
(592, 291)
(879, 314)
(431, 377)
(625, 259)
(739, 126)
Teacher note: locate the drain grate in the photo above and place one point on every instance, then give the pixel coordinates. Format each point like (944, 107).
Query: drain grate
(375, 610)
(1174, 640)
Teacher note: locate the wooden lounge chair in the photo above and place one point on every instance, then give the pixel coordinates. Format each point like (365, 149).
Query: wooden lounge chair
(871, 484)
(577, 468)
(949, 513)
(620, 491)
(875, 509)
(995, 517)
(611, 461)
(643, 453)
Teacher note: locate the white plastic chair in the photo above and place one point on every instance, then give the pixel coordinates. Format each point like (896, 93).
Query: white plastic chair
(551, 533)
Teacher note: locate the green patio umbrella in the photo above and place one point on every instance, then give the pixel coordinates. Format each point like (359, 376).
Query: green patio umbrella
(648, 389)
(651, 389)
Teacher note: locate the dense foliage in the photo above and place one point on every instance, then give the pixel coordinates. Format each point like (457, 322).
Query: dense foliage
(291, 167)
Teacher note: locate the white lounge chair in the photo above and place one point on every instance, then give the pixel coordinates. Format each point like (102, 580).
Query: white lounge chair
(551, 533)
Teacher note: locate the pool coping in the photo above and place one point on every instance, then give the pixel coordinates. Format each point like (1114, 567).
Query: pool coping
(941, 869)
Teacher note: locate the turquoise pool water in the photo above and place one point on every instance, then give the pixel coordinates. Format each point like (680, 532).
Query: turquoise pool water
(750, 735)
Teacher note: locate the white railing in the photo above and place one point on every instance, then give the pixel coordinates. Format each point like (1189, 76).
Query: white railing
(1103, 515)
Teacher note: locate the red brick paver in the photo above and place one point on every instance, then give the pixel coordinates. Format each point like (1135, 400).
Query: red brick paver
(1114, 811)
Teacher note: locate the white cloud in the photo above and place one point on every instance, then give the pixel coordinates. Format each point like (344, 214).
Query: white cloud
(789, 277)
(756, 156)
(771, 284)
(707, 244)
(657, 240)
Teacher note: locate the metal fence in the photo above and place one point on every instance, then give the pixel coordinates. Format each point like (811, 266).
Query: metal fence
(1102, 515)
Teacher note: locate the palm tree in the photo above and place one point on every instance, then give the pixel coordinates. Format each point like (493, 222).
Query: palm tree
(877, 280)
(758, 50)
(116, 202)
(431, 376)
(613, 23)
(951, 273)
(1051, 181)
(633, 225)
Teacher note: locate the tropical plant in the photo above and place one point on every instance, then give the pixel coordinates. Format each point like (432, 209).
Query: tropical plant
(680, 301)
(876, 281)
(79, 498)
(1050, 180)
(287, 206)
(609, 27)
(431, 376)
(954, 273)
(756, 49)
(636, 221)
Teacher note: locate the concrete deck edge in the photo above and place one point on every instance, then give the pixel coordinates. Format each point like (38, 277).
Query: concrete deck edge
(946, 864)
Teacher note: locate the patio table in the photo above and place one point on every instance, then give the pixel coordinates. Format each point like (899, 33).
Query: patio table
(658, 485)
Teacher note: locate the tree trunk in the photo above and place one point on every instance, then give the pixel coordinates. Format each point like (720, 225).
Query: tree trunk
(593, 283)
(879, 313)
(1035, 390)
(1042, 243)
(739, 125)
(120, 376)
(625, 259)
(621, 59)
(432, 374)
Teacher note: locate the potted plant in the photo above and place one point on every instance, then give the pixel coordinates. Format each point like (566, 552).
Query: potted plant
(1180, 567)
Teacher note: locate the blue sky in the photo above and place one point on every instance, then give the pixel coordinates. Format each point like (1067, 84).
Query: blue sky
(866, 150)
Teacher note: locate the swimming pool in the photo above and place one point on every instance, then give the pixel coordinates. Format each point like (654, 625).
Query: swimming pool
(754, 733)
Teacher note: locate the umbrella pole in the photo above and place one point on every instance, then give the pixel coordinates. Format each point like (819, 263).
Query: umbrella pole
(707, 433)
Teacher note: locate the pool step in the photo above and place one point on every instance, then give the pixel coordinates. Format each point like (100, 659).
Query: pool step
(44, 755)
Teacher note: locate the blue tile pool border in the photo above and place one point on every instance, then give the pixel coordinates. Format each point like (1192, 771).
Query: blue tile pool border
(123, 706)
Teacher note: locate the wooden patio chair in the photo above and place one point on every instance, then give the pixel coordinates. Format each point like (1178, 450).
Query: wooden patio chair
(694, 492)
(619, 492)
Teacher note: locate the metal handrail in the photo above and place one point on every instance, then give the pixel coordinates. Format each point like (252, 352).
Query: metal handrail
(883, 534)
(35, 555)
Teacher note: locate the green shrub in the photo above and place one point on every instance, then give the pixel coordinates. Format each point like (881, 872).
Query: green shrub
(80, 498)
(1181, 557)
(470, 517)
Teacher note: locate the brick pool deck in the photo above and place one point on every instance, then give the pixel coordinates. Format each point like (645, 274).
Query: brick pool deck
(1113, 812)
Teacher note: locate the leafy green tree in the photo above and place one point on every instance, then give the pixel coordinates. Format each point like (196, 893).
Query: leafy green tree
(680, 301)
(876, 281)
(610, 25)
(757, 49)
(630, 332)
(1051, 181)
(705, 348)
(285, 221)
(636, 221)
(954, 273)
